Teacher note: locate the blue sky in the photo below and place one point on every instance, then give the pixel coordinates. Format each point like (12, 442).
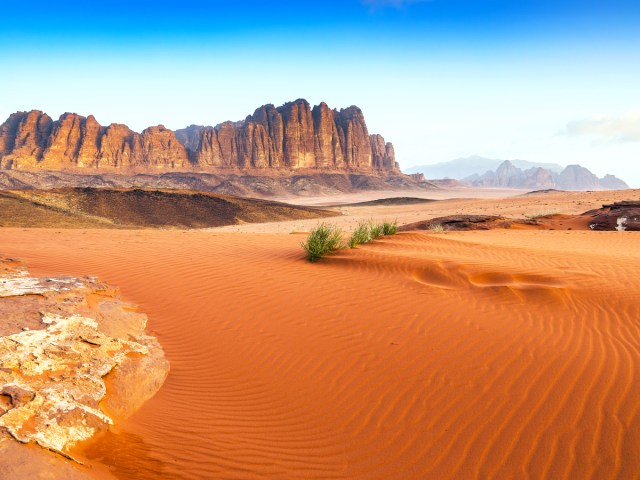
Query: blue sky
(540, 80)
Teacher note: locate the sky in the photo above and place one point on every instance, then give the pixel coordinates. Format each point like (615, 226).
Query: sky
(540, 80)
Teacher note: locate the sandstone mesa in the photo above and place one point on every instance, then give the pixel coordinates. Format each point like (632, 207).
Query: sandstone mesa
(288, 138)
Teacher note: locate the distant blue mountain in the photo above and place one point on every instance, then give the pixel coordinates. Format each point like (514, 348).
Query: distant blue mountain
(464, 167)
(572, 177)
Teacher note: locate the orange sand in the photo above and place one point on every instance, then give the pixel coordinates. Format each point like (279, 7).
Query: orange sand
(500, 354)
(514, 206)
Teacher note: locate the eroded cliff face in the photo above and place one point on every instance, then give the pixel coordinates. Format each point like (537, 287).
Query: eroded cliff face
(287, 138)
(24, 138)
(292, 137)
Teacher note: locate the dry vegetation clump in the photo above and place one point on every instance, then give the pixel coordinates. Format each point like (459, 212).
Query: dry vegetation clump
(375, 230)
(542, 213)
(390, 228)
(360, 235)
(323, 239)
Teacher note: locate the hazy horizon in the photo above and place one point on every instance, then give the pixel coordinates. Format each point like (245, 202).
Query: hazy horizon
(541, 81)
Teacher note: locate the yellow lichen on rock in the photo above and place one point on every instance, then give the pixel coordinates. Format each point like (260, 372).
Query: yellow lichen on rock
(54, 379)
(59, 338)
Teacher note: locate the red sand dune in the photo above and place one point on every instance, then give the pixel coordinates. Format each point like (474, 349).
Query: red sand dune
(500, 354)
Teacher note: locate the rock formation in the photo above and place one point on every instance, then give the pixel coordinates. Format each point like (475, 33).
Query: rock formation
(573, 177)
(458, 223)
(58, 412)
(619, 216)
(56, 347)
(611, 182)
(292, 137)
(461, 168)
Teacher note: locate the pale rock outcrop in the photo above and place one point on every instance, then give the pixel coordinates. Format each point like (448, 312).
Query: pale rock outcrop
(56, 349)
(55, 381)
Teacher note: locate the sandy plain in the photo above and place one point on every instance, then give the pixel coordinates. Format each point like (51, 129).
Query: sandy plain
(482, 354)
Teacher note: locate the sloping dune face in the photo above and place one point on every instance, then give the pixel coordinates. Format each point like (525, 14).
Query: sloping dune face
(501, 354)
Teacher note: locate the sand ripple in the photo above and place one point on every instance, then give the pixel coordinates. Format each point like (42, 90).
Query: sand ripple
(469, 355)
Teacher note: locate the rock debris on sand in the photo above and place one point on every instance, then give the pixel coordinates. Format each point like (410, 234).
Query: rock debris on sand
(60, 338)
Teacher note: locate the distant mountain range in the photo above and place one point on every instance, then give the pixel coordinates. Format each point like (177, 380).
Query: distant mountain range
(461, 168)
(484, 172)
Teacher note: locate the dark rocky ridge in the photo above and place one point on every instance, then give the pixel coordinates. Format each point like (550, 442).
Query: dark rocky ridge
(256, 183)
(616, 216)
(141, 208)
(458, 223)
(283, 139)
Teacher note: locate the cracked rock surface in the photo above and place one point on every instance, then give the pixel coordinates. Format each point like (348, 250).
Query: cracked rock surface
(60, 339)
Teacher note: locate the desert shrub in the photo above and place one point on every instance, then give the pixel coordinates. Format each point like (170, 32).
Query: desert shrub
(360, 235)
(542, 213)
(368, 231)
(390, 228)
(326, 238)
(322, 239)
(375, 230)
(436, 228)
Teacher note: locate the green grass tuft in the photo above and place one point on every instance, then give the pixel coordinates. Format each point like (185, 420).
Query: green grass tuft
(322, 239)
(390, 228)
(325, 238)
(360, 235)
(375, 230)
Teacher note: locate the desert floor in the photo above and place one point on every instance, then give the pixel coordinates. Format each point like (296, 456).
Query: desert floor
(485, 354)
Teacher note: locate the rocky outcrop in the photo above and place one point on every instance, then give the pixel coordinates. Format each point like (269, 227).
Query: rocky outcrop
(447, 183)
(619, 216)
(423, 182)
(58, 413)
(382, 153)
(573, 177)
(292, 137)
(458, 223)
(56, 348)
(24, 138)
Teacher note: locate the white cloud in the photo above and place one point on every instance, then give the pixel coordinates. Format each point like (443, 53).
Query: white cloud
(609, 130)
